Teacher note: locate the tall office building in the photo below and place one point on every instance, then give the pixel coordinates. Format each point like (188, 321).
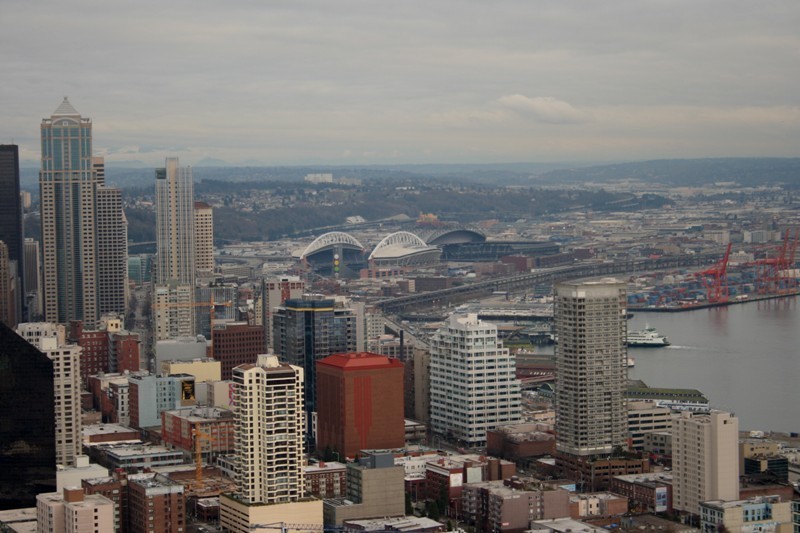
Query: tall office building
(32, 278)
(307, 330)
(705, 459)
(473, 383)
(203, 239)
(112, 247)
(11, 215)
(275, 292)
(27, 411)
(175, 224)
(591, 367)
(68, 185)
(50, 339)
(360, 397)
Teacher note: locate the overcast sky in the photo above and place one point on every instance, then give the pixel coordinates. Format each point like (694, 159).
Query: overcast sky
(447, 81)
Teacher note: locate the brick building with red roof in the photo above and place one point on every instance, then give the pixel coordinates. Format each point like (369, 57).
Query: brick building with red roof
(359, 403)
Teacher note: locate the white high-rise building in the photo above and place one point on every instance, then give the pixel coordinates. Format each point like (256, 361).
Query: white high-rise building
(268, 406)
(173, 297)
(473, 383)
(705, 459)
(591, 367)
(175, 237)
(50, 340)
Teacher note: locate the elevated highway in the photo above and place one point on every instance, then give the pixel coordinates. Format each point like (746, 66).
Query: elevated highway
(548, 275)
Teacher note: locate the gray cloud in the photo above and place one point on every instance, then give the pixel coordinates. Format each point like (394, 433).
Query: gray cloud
(545, 109)
(455, 80)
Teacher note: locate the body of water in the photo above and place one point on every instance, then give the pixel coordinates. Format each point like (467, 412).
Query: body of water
(744, 358)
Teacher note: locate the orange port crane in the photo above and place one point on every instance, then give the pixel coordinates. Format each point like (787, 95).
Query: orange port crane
(773, 274)
(715, 279)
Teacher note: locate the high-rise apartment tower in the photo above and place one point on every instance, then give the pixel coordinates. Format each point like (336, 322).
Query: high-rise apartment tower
(175, 224)
(591, 367)
(473, 386)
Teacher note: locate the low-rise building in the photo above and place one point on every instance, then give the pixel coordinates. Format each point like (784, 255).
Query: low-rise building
(646, 492)
(139, 456)
(765, 514)
(497, 506)
(179, 429)
(74, 511)
(646, 416)
(447, 476)
(519, 441)
(375, 489)
(155, 499)
(597, 504)
(326, 479)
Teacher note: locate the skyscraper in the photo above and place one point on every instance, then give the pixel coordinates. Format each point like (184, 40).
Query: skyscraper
(268, 407)
(591, 367)
(473, 385)
(204, 239)
(173, 301)
(269, 465)
(68, 184)
(11, 215)
(175, 224)
(309, 329)
(112, 247)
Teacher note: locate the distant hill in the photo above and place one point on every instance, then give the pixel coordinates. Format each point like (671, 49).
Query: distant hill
(744, 171)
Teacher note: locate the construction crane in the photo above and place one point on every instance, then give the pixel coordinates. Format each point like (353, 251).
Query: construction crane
(773, 274)
(199, 436)
(715, 279)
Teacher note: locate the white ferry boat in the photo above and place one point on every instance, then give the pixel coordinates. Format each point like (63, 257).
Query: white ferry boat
(648, 337)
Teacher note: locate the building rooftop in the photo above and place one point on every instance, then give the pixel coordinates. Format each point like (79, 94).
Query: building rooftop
(104, 429)
(564, 525)
(324, 466)
(732, 504)
(360, 361)
(402, 523)
(652, 478)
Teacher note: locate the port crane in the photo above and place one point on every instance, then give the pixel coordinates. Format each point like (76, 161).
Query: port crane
(773, 274)
(715, 279)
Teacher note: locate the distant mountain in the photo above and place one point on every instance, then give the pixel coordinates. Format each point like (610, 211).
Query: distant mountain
(750, 171)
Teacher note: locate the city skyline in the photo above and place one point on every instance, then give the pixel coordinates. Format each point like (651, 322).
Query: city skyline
(362, 83)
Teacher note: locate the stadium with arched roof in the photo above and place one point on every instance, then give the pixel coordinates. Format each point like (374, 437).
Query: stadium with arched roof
(335, 253)
(452, 235)
(404, 248)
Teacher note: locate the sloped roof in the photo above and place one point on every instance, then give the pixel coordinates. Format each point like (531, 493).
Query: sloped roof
(65, 109)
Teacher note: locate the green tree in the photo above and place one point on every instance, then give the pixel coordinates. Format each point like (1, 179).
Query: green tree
(433, 510)
(409, 505)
